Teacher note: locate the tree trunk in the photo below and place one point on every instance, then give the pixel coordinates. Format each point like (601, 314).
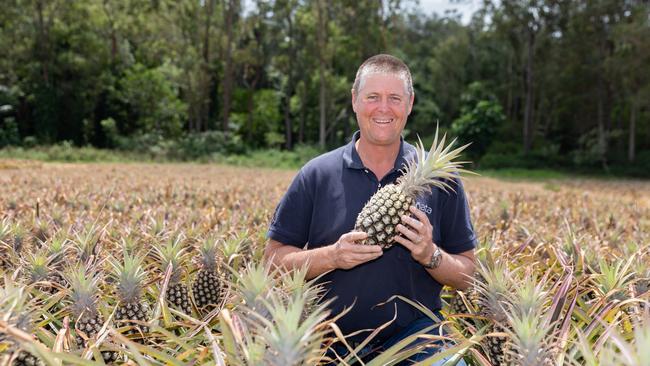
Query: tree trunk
(288, 125)
(206, 82)
(631, 148)
(228, 70)
(42, 43)
(303, 109)
(322, 99)
(528, 112)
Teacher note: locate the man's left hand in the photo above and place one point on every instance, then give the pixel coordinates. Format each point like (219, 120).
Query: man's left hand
(416, 235)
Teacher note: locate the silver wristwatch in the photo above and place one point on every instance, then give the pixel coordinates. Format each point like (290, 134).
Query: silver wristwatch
(436, 257)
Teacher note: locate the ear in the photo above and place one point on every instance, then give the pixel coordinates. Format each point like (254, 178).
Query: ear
(354, 99)
(411, 101)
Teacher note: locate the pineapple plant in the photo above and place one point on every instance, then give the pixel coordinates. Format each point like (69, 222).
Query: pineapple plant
(206, 286)
(16, 312)
(381, 214)
(57, 249)
(129, 277)
(173, 254)
(492, 297)
(84, 296)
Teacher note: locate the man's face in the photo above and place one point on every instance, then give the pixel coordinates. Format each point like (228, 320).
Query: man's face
(382, 107)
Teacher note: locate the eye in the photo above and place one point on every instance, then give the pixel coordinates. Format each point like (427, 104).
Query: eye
(395, 99)
(372, 98)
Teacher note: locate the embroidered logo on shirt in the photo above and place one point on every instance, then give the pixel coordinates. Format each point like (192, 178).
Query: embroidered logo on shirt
(423, 207)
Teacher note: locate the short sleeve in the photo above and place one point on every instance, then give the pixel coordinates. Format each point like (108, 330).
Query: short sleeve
(457, 232)
(292, 217)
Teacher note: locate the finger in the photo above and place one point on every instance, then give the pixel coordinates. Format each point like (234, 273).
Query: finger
(421, 216)
(409, 234)
(412, 222)
(367, 249)
(405, 242)
(354, 236)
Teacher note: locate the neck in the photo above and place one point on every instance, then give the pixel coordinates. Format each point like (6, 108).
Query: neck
(379, 159)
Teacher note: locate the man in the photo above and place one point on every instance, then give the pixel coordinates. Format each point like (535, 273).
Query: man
(313, 223)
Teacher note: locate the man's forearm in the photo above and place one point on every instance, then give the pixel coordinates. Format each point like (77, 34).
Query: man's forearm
(455, 270)
(318, 260)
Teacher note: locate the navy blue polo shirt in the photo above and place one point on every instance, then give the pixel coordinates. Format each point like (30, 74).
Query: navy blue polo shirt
(322, 204)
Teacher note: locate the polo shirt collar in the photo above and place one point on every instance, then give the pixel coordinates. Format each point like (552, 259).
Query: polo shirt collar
(352, 160)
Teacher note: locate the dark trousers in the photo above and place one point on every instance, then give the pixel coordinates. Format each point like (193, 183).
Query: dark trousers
(374, 349)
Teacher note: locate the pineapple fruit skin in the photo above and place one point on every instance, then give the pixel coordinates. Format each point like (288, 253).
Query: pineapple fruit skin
(206, 288)
(128, 312)
(178, 296)
(380, 216)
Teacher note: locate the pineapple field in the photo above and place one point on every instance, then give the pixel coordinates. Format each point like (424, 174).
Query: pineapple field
(162, 264)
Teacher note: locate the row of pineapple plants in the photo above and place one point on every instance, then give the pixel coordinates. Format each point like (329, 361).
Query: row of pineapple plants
(585, 254)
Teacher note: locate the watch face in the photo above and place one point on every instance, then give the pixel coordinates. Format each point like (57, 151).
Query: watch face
(435, 258)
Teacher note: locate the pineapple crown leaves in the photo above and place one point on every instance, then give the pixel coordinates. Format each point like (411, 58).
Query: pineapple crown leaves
(37, 265)
(14, 305)
(494, 287)
(234, 247)
(87, 241)
(129, 275)
(173, 252)
(84, 283)
(254, 283)
(291, 338)
(530, 341)
(432, 169)
(208, 253)
(530, 296)
(614, 278)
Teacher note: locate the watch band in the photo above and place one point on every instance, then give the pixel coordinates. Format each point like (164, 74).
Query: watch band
(435, 258)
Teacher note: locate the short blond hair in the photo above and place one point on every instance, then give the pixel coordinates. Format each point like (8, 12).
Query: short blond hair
(383, 64)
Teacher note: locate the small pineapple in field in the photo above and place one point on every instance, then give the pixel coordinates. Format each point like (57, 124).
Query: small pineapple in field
(57, 249)
(206, 287)
(173, 254)
(12, 242)
(492, 296)
(16, 312)
(129, 277)
(37, 270)
(84, 296)
(86, 243)
(381, 214)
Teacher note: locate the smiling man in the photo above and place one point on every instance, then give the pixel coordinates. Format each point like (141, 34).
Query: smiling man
(313, 223)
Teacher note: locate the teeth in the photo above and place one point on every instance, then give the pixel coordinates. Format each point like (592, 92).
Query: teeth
(383, 120)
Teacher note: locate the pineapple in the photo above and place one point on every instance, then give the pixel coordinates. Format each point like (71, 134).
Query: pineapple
(383, 212)
(206, 288)
(174, 254)
(84, 296)
(492, 294)
(129, 277)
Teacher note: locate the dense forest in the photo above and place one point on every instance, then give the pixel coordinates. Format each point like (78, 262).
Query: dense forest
(531, 83)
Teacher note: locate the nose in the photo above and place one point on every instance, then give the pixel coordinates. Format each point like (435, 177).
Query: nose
(383, 104)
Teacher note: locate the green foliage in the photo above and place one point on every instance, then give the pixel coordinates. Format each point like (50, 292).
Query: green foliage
(481, 118)
(9, 132)
(152, 97)
(120, 74)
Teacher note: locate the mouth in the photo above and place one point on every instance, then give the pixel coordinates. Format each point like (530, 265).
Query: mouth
(382, 121)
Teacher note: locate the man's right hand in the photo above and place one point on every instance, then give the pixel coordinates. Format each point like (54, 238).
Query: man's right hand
(348, 254)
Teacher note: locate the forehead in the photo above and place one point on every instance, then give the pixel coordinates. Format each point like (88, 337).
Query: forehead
(382, 83)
